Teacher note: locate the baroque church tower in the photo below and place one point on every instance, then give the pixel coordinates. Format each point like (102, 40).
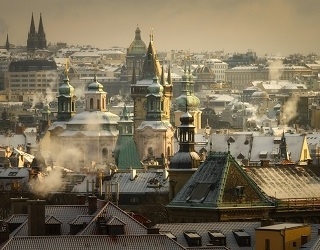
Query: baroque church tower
(188, 96)
(66, 100)
(139, 88)
(186, 161)
(155, 133)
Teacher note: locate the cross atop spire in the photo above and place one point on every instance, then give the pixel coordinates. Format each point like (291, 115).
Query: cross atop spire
(151, 35)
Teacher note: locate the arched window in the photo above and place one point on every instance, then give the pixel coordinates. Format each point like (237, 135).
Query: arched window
(73, 107)
(91, 103)
(98, 104)
(104, 154)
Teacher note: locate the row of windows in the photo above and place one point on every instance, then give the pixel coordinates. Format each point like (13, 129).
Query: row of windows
(31, 80)
(32, 75)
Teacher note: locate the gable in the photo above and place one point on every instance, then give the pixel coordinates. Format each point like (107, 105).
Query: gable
(239, 188)
(266, 148)
(219, 181)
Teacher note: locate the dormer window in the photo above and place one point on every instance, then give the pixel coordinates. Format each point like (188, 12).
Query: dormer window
(192, 238)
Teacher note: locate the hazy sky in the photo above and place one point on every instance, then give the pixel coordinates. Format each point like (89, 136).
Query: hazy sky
(277, 27)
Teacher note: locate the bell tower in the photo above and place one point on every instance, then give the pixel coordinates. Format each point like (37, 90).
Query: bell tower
(139, 87)
(155, 133)
(66, 100)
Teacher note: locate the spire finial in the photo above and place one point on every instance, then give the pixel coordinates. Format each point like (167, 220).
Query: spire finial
(151, 35)
(66, 70)
(95, 72)
(169, 79)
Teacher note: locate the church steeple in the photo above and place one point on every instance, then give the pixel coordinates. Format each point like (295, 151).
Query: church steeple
(32, 42)
(283, 148)
(125, 153)
(96, 97)
(42, 41)
(155, 101)
(32, 26)
(169, 79)
(125, 123)
(151, 66)
(7, 43)
(40, 29)
(36, 40)
(66, 100)
(186, 131)
(162, 81)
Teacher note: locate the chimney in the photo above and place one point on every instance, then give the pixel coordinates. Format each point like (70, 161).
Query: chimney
(267, 222)
(81, 199)
(36, 217)
(19, 205)
(165, 174)
(133, 174)
(92, 204)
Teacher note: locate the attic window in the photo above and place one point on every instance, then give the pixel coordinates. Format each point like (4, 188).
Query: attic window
(170, 235)
(242, 237)
(217, 238)
(12, 174)
(263, 154)
(192, 238)
(246, 142)
(277, 140)
(153, 183)
(231, 139)
(199, 192)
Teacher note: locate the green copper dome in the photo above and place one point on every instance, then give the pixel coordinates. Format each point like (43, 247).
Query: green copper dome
(66, 88)
(95, 85)
(137, 46)
(192, 101)
(155, 88)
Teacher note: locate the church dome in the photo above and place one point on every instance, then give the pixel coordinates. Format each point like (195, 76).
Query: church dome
(186, 118)
(185, 160)
(66, 88)
(137, 46)
(94, 117)
(95, 85)
(192, 101)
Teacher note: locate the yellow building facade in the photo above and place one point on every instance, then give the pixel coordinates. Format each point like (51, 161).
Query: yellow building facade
(286, 236)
